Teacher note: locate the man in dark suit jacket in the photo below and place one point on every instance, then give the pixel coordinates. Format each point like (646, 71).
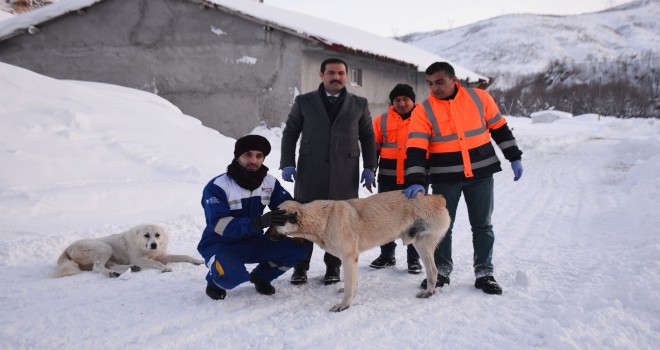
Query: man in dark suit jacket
(334, 125)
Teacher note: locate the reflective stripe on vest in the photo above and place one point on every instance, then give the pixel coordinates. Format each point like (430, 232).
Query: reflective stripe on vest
(383, 128)
(460, 168)
(415, 170)
(469, 133)
(507, 144)
(395, 149)
(467, 166)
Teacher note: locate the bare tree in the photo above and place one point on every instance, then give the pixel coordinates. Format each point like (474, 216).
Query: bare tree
(627, 87)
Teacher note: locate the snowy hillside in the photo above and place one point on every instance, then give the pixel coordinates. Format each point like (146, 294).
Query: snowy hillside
(512, 45)
(576, 252)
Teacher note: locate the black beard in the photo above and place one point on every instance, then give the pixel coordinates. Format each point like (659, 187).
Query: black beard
(247, 179)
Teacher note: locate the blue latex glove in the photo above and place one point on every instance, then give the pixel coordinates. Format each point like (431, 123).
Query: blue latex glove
(289, 173)
(411, 191)
(369, 179)
(517, 170)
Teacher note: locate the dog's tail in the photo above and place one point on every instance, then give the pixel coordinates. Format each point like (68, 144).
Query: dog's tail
(65, 266)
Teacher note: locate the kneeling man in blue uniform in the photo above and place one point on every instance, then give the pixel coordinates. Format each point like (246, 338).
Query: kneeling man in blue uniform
(233, 205)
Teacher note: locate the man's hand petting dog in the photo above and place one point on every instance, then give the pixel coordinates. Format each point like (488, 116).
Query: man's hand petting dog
(272, 233)
(271, 218)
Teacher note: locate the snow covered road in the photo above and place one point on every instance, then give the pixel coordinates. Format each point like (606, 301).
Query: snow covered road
(576, 252)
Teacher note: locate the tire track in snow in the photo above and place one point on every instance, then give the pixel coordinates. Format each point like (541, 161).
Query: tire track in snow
(563, 241)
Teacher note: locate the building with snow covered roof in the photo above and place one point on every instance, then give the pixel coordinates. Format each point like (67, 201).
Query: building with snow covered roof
(233, 64)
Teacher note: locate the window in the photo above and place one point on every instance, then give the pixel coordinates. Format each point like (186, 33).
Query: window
(355, 76)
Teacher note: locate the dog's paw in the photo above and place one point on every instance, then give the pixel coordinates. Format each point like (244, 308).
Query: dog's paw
(135, 268)
(166, 269)
(425, 294)
(114, 274)
(339, 307)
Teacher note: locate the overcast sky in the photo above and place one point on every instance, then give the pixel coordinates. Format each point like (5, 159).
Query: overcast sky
(391, 18)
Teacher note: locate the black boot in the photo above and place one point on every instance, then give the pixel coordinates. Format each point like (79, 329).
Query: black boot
(262, 286)
(214, 292)
(383, 261)
(299, 275)
(331, 275)
(488, 285)
(414, 266)
(442, 280)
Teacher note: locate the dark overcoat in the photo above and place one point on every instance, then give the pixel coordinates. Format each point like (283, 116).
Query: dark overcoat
(329, 154)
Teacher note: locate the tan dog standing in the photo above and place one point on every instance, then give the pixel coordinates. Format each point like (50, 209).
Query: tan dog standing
(347, 227)
(140, 247)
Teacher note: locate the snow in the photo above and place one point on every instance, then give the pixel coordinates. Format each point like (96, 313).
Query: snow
(217, 31)
(577, 250)
(549, 116)
(10, 25)
(389, 20)
(332, 33)
(327, 32)
(5, 15)
(247, 60)
(628, 33)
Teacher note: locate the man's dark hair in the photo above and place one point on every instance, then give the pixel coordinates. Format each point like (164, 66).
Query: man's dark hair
(441, 66)
(330, 61)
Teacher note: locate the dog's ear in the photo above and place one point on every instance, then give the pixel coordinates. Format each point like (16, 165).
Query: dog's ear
(137, 230)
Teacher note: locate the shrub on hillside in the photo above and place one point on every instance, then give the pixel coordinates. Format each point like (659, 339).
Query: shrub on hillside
(623, 88)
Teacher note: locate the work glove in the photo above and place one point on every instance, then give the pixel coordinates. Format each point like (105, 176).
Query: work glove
(271, 218)
(517, 170)
(369, 179)
(289, 173)
(411, 191)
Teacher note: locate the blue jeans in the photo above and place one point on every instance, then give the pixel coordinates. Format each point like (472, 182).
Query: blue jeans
(479, 198)
(387, 249)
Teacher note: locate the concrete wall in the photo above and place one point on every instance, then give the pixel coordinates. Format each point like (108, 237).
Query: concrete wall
(229, 72)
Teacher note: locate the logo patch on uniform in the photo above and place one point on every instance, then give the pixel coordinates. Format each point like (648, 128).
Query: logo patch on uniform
(212, 200)
(267, 189)
(218, 267)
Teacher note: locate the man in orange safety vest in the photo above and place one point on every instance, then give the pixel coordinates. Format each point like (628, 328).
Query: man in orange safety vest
(454, 127)
(391, 132)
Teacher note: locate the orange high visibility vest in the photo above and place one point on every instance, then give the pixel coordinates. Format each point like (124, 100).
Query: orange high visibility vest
(391, 133)
(458, 125)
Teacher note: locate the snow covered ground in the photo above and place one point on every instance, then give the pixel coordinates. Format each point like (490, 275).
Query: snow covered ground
(577, 250)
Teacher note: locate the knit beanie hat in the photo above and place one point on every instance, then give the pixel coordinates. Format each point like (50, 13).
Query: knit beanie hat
(249, 143)
(402, 90)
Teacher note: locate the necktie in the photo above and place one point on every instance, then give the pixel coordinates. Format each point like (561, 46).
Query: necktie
(332, 99)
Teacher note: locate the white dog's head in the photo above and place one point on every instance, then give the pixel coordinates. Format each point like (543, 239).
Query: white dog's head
(149, 237)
